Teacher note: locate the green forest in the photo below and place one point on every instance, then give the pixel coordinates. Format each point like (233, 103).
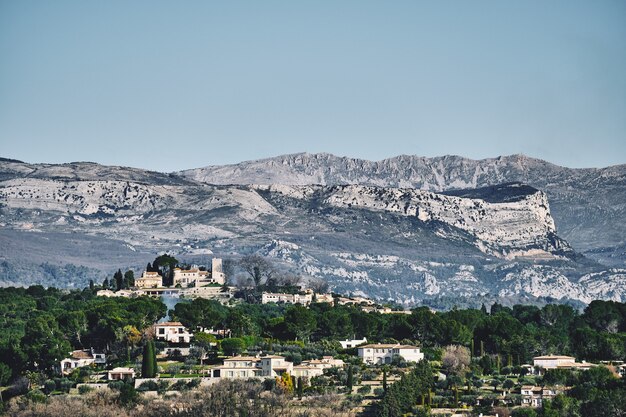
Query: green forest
(41, 326)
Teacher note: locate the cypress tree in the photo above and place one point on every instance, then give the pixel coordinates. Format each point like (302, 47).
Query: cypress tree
(385, 380)
(153, 360)
(148, 362)
(300, 387)
(145, 361)
(118, 278)
(350, 381)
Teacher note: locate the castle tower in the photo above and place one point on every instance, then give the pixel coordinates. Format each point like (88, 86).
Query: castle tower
(217, 273)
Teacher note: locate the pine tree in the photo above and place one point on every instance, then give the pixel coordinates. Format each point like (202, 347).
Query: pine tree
(105, 284)
(91, 284)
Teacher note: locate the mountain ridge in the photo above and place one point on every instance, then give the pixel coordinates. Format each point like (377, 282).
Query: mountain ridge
(393, 243)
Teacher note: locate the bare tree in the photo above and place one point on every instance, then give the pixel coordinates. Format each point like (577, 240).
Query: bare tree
(456, 359)
(259, 268)
(318, 285)
(288, 279)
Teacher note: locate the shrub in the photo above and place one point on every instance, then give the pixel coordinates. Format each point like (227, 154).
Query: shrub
(84, 389)
(36, 396)
(147, 386)
(379, 392)
(49, 386)
(365, 389)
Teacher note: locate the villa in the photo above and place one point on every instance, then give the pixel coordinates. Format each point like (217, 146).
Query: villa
(80, 358)
(378, 354)
(172, 332)
(149, 280)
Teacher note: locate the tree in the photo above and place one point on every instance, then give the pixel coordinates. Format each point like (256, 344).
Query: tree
(259, 268)
(233, 346)
(300, 387)
(5, 374)
(385, 379)
(350, 379)
(148, 363)
(456, 359)
(164, 265)
(129, 278)
(105, 284)
(300, 322)
(118, 279)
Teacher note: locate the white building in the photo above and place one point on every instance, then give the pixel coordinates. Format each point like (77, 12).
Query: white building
(149, 280)
(172, 332)
(254, 367)
(189, 277)
(80, 358)
(347, 344)
(533, 396)
(278, 298)
(119, 293)
(378, 354)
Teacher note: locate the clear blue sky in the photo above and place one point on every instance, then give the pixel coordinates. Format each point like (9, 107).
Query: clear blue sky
(169, 85)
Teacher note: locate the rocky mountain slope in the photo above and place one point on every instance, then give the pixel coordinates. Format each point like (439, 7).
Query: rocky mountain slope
(588, 205)
(64, 224)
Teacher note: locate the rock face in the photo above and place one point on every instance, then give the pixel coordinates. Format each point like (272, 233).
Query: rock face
(588, 205)
(64, 224)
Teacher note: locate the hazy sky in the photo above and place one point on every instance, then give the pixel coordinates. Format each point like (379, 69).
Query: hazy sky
(170, 85)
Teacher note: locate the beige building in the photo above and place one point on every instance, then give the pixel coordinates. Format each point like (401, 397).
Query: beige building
(149, 280)
(121, 374)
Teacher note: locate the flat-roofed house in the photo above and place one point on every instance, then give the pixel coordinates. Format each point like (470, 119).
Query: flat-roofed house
(378, 354)
(350, 343)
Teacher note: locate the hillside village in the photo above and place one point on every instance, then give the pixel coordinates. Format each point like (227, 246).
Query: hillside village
(303, 344)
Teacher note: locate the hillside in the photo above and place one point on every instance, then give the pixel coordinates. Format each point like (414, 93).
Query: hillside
(68, 223)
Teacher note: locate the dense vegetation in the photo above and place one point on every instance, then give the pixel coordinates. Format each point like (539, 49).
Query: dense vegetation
(472, 347)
